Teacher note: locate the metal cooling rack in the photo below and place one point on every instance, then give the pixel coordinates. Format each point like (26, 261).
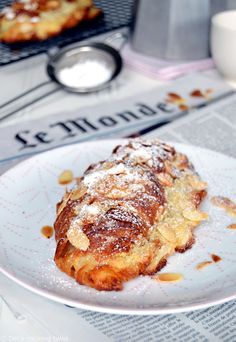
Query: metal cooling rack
(117, 14)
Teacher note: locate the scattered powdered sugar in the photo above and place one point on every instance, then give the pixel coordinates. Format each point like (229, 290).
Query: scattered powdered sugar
(22, 18)
(92, 178)
(92, 209)
(8, 13)
(123, 215)
(152, 153)
(115, 170)
(76, 223)
(85, 211)
(34, 19)
(141, 155)
(89, 73)
(31, 6)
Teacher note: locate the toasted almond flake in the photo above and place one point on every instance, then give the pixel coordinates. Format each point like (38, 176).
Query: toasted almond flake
(183, 107)
(194, 215)
(65, 177)
(224, 203)
(232, 226)
(167, 232)
(47, 232)
(197, 184)
(116, 169)
(78, 239)
(78, 193)
(175, 99)
(165, 179)
(174, 96)
(203, 264)
(182, 161)
(171, 170)
(107, 165)
(196, 93)
(231, 212)
(180, 102)
(215, 258)
(169, 277)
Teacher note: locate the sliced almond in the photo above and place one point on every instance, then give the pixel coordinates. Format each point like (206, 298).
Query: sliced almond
(47, 231)
(49, 5)
(78, 193)
(107, 165)
(169, 277)
(53, 4)
(197, 93)
(62, 204)
(232, 226)
(182, 161)
(224, 203)
(65, 177)
(167, 232)
(231, 212)
(194, 215)
(197, 184)
(115, 193)
(165, 179)
(176, 99)
(174, 96)
(215, 258)
(203, 264)
(183, 107)
(78, 239)
(171, 170)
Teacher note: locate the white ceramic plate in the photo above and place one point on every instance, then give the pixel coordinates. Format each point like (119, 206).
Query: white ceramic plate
(28, 195)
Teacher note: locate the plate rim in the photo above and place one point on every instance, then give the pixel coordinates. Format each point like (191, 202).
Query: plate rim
(106, 308)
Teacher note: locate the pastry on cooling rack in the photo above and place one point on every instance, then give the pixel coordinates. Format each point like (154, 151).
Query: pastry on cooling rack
(36, 20)
(127, 214)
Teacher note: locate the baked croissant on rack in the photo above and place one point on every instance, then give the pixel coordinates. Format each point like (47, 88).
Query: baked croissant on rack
(127, 214)
(36, 20)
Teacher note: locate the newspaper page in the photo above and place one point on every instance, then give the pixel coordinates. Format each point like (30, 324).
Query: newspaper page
(118, 119)
(212, 127)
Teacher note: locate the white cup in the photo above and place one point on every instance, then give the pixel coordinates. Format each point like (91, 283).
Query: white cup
(223, 44)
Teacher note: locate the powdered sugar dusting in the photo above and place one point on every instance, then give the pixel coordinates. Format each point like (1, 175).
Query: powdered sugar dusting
(8, 13)
(123, 193)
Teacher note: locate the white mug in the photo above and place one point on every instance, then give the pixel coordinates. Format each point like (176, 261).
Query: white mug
(223, 44)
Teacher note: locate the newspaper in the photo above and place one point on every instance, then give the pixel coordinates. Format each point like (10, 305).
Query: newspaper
(212, 127)
(117, 119)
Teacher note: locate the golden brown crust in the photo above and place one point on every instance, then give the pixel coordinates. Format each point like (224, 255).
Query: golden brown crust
(37, 20)
(188, 245)
(127, 215)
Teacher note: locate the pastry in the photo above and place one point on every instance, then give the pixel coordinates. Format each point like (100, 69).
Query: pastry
(127, 214)
(37, 20)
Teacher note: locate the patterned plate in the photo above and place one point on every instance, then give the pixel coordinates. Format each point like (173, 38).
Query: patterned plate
(28, 195)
